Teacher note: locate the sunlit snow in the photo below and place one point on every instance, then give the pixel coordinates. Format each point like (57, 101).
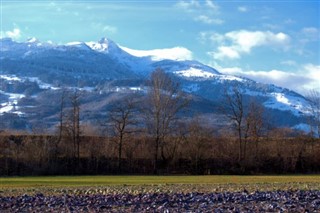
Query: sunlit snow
(285, 102)
(176, 53)
(193, 72)
(100, 47)
(41, 84)
(10, 78)
(10, 105)
(281, 98)
(230, 78)
(74, 43)
(135, 88)
(5, 107)
(79, 45)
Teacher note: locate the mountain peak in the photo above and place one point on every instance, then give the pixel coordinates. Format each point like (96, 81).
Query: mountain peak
(79, 45)
(104, 67)
(103, 45)
(104, 40)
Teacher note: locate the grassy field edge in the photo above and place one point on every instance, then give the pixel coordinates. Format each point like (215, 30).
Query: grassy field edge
(84, 185)
(61, 181)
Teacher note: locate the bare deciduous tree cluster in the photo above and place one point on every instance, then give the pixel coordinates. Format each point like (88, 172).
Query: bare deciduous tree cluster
(146, 135)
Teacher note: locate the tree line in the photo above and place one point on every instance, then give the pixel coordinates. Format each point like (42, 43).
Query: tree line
(146, 135)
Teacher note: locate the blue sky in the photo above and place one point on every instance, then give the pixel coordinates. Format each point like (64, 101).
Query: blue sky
(275, 41)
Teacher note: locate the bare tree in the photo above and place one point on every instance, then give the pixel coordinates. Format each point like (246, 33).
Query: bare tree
(61, 123)
(234, 109)
(198, 143)
(123, 123)
(61, 115)
(314, 100)
(254, 124)
(73, 124)
(165, 100)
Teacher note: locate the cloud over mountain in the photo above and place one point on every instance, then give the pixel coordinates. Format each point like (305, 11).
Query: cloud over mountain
(15, 33)
(232, 45)
(307, 78)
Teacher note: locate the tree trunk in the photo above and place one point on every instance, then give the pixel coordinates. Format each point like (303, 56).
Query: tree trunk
(120, 153)
(156, 149)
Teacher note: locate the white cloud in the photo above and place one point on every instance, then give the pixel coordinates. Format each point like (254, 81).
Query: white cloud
(311, 30)
(234, 43)
(289, 21)
(306, 79)
(14, 34)
(98, 26)
(244, 40)
(109, 29)
(207, 20)
(188, 5)
(212, 5)
(225, 52)
(313, 71)
(242, 9)
(289, 63)
(211, 37)
(305, 37)
(176, 53)
(271, 26)
(311, 33)
(202, 11)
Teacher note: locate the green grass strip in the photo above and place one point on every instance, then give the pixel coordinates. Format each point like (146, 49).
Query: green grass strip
(74, 181)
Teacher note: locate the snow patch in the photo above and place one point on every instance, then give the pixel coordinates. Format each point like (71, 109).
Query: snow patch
(10, 78)
(194, 72)
(281, 101)
(74, 43)
(98, 46)
(135, 88)
(230, 78)
(176, 53)
(79, 45)
(280, 97)
(41, 84)
(10, 105)
(5, 108)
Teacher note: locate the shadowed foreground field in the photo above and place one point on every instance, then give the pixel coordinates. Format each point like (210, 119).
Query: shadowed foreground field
(161, 194)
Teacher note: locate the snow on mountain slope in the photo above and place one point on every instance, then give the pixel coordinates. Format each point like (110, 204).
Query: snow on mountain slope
(287, 102)
(138, 61)
(176, 53)
(143, 62)
(78, 45)
(93, 66)
(272, 97)
(194, 72)
(18, 48)
(9, 105)
(114, 51)
(104, 45)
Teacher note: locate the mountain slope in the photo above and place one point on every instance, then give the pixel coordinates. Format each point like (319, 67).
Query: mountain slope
(32, 71)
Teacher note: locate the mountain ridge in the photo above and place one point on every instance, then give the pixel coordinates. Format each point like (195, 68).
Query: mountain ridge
(93, 66)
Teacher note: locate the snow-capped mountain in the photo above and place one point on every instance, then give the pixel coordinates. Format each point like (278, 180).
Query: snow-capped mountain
(33, 74)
